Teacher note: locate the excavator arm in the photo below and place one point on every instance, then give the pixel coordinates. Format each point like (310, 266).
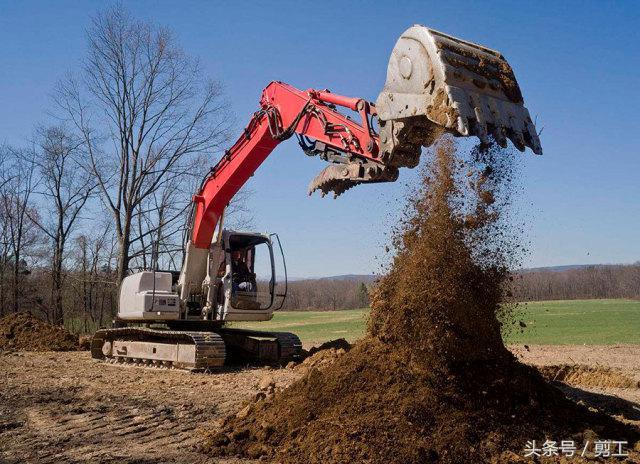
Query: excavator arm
(350, 146)
(435, 83)
(322, 130)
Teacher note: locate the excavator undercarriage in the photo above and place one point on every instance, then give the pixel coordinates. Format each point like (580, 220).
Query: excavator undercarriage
(194, 350)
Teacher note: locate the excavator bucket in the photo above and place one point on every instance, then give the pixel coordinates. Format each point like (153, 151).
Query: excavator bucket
(437, 83)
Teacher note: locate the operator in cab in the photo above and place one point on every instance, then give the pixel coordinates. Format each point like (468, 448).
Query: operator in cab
(242, 276)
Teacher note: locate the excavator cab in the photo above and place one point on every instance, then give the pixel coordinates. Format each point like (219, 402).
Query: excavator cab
(250, 277)
(240, 277)
(252, 271)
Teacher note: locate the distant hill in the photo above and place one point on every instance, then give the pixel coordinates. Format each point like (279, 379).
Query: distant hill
(344, 277)
(566, 267)
(371, 277)
(358, 277)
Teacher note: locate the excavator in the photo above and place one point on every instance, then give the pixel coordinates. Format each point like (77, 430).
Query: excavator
(435, 83)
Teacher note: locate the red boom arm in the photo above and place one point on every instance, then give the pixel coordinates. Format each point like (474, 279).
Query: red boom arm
(285, 110)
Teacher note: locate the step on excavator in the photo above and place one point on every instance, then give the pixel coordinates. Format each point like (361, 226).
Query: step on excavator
(435, 83)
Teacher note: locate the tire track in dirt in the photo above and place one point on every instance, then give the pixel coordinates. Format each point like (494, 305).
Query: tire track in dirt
(67, 408)
(76, 437)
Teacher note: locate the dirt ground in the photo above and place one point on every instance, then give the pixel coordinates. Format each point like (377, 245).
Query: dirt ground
(65, 407)
(625, 358)
(622, 403)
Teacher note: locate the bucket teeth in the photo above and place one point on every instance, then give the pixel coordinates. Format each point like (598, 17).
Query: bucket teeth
(338, 187)
(338, 178)
(455, 86)
(332, 179)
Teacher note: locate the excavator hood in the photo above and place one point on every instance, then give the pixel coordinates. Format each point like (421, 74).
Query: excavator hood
(437, 83)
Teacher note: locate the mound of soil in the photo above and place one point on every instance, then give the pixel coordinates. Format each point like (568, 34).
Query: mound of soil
(372, 405)
(337, 344)
(432, 380)
(25, 332)
(84, 342)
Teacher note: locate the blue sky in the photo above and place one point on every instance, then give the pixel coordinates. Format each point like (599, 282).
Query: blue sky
(577, 63)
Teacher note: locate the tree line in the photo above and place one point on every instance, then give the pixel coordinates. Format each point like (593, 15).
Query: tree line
(587, 282)
(326, 294)
(603, 281)
(104, 185)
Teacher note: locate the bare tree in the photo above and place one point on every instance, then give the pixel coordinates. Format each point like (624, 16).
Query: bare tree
(5, 256)
(93, 282)
(160, 221)
(17, 229)
(5, 174)
(5, 178)
(238, 213)
(65, 188)
(146, 117)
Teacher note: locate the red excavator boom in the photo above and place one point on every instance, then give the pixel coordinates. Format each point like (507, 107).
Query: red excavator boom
(311, 114)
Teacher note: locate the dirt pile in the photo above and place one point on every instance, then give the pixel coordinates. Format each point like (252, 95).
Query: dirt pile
(432, 380)
(84, 342)
(25, 332)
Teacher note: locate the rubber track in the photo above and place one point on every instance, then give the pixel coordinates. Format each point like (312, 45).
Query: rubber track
(210, 349)
(290, 346)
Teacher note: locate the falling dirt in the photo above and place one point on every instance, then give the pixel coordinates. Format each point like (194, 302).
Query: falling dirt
(432, 380)
(445, 287)
(25, 332)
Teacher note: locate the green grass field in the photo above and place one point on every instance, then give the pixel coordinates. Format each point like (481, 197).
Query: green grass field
(316, 326)
(550, 322)
(590, 322)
